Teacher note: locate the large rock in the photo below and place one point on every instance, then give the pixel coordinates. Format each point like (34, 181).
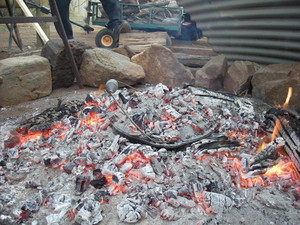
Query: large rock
(124, 50)
(62, 73)
(238, 77)
(161, 66)
(99, 65)
(24, 78)
(211, 75)
(271, 84)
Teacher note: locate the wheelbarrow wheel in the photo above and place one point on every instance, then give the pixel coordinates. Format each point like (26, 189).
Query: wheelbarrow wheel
(104, 39)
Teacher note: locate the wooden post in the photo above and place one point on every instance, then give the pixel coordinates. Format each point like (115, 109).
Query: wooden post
(54, 10)
(44, 26)
(36, 26)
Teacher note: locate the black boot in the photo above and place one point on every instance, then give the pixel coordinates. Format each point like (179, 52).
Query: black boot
(119, 27)
(112, 9)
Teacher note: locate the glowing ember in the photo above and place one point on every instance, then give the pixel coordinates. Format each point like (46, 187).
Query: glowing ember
(283, 170)
(93, 119)
(277, 124)
(207, 175)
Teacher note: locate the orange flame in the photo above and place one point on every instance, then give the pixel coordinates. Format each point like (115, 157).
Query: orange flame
(92, 119)
(277, 124)
(288, 98)
(100, 89)
(25, 136)
(283, 170)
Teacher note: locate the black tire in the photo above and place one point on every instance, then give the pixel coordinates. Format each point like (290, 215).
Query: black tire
(104, 39)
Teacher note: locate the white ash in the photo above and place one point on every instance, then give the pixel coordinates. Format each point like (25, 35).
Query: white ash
(148, 184)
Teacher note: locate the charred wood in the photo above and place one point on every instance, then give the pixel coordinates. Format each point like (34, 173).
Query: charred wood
(165, 145)
(289, 130)
(50, 116)
(215, 143)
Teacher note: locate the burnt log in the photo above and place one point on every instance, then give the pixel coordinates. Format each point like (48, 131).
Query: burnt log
(166, 145)
(61, 67)
(50, 116)
(267, 155)
(214, 144)
(289, 130)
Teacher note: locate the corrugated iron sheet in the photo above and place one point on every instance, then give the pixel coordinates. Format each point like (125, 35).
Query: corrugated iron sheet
(263, 31)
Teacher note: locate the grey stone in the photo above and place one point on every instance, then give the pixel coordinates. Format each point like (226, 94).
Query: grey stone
(238, 77)
(24, 78)
(124, 50)
(161, 66)
(211, 75)
(100, 65)
(271, 83)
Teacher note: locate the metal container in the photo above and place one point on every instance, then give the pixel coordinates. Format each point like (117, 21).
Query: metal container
(263, 31)
(111, 86)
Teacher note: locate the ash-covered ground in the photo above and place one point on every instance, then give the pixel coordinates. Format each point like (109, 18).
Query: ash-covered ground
(95, 167)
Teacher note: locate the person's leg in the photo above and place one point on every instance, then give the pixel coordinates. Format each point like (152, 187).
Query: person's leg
(64, 11)
(112, 9)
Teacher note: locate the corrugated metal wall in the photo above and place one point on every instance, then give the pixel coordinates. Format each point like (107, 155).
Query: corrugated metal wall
(263, 31)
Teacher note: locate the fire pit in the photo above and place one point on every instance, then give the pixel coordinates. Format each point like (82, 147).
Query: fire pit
(153, 155)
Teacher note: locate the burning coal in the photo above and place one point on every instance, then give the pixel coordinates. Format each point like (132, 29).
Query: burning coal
(133, 155)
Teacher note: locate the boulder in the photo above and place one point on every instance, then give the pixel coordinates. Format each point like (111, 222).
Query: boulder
(211, 75)
(62, 73)
(124, 50)
(192, 60)
(238, 77)
(99, 65)
(24, 78)
(271, 84)
(161, 66)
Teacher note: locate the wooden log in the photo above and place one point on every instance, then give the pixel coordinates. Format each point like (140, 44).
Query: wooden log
(138, 42)
(192, 48)
(291, 137)
(192, 60)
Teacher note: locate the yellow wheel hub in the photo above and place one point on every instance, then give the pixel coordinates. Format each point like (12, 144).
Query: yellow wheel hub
(107, 40)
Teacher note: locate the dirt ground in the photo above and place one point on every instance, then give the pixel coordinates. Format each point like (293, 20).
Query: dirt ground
(29, 39)
(28, 35)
